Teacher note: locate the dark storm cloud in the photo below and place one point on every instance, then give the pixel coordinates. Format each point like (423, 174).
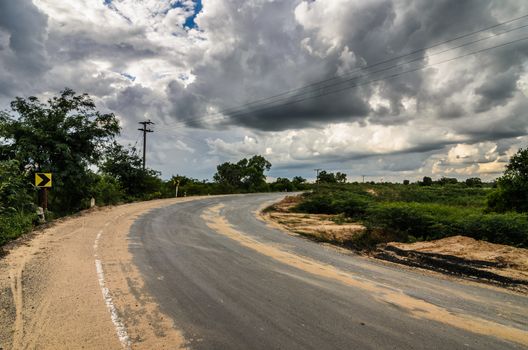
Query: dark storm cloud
(259, 65)
(496, 90)
(22, 52)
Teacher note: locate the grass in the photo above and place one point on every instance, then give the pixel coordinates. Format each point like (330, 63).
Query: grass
(14, 225)
(409, 213)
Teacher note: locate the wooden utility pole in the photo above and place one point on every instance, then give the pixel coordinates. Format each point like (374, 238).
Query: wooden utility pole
(145, 130)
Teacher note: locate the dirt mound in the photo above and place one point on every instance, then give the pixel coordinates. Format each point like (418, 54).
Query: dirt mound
(501, 259)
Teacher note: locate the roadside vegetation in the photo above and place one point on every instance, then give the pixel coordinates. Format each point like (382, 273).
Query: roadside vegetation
(68, 137)
(430, 209)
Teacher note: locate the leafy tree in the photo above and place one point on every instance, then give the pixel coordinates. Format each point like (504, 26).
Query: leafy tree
(512, 187)
(340, 177)
(15, 188)
(254, 178)
(246, 174)
(406, 182)
(229, 176)
(282, 184)
(63, 136)
(326, 177)
(298, 181)
(126, 166)
(447, 180)
(427, 181)
(474, 182)
(107, 190)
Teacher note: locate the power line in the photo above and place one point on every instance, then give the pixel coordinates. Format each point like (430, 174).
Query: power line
(235, 110)
(301, 98)
(134, 150)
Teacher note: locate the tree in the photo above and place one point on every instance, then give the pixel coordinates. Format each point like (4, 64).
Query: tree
(63, 136)
(246, 175)
(229, 176)
(427, 181)
(15, 189)
(298, 182)
(512, 187)
(447, 180)
(340, 177)
(126, 166)
(282, 184)
(326, 177)
(474, 182)
(406, 182)
(254, 178)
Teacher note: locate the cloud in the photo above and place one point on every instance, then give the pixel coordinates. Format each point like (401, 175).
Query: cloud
(195, 67)
(23, 30)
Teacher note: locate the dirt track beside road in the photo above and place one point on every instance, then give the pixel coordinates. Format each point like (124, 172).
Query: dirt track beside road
(54, 296)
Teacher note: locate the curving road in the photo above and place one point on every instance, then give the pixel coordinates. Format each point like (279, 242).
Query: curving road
(230, 281)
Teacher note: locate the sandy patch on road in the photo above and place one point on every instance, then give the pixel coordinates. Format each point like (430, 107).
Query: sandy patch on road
(415, 307)
(51, 298)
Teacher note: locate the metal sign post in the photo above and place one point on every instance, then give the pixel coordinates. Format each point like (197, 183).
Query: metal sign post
(43, 181)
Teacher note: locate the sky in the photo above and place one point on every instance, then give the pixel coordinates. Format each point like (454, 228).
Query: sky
(378, 88)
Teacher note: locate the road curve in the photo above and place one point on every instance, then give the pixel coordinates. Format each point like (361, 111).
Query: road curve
(230, 281)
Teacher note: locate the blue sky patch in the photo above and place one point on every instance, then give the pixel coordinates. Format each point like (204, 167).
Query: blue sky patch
(129, 76)
(189, 21)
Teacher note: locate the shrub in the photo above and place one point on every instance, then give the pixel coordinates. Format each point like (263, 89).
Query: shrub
(107, 191)
(512, 187)
(14, 225)
(434, 221)
(347, 203)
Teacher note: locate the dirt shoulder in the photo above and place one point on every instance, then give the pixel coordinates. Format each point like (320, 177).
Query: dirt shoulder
(73, 286)
(460, 256)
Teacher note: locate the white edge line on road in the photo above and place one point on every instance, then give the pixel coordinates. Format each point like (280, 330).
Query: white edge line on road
(118, 324)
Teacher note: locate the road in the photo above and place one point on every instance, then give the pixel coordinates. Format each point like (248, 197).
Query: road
(231, 281)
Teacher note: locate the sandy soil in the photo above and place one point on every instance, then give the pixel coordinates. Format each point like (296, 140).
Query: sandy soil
(510, 261)
(74, 286)
(319, 226)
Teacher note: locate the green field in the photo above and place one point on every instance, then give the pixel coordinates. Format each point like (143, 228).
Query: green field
(409, 213)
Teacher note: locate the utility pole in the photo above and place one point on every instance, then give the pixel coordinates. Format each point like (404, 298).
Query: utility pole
(317, 175)
(363, 178)
(145, 130)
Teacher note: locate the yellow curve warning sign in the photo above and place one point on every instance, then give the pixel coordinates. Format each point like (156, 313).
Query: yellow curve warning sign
(43, 179)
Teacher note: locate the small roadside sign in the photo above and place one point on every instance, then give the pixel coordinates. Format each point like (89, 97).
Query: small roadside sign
(43, 180)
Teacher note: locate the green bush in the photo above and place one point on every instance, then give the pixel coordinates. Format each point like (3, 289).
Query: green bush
(107, 191)
(509, 228)
(409, 221)
(14, 225)
(347, 203)
(512, 187)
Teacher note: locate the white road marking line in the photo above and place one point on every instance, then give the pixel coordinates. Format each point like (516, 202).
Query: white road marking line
(118, 324)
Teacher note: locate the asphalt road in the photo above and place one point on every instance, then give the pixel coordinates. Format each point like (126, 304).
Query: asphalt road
(224, 293)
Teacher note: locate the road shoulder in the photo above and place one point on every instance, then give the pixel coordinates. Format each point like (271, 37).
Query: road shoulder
(52, 295)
